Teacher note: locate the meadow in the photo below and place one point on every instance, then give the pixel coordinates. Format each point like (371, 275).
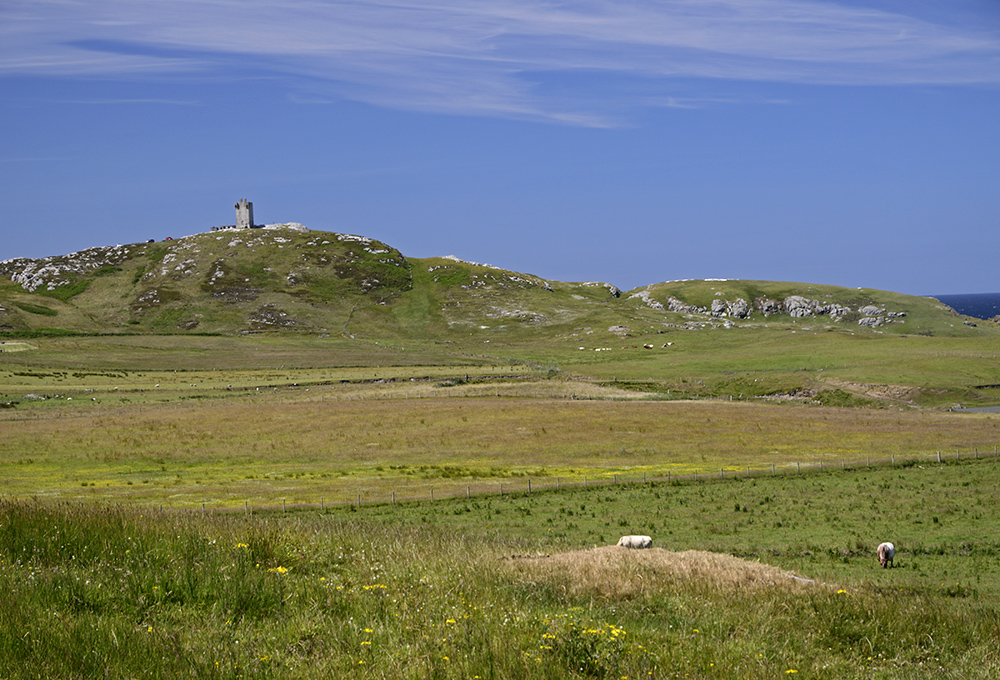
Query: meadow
(520, 586)
(371, 443)
(292, 506)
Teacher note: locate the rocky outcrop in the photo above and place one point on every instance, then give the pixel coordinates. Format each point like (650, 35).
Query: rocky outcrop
(740, 309)
(768, 307)
(650, 302)
(837, 312)
(736, 309)
(51, 272)
(679, 307)
(269, 316)
(798, 307)
(795, 306)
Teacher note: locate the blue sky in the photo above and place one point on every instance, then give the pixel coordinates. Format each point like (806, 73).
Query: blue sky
(853, 143)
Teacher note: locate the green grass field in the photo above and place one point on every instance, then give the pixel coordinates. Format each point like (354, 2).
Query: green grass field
(514, 587)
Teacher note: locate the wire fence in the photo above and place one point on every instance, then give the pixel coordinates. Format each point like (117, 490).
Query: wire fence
(532, 485)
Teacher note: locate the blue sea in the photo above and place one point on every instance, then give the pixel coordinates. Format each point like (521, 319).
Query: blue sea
(978, 305)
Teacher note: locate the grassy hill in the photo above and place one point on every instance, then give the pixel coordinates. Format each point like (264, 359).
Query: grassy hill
(311, 281)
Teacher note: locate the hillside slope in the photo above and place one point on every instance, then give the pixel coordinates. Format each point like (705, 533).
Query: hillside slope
(289, 279)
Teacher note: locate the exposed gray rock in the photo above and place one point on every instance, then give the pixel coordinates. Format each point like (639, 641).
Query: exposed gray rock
(797, 306)
(678, 306)
(872, 321)
(718, 307)
(269, 315)
(896, 315)
(52, 272)
(871, 310)
(768, 307)
(739, 309)
(619, 330)
(650, 302)
(837, 312)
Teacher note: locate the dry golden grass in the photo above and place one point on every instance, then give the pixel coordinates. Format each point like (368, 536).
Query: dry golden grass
(611, 572)
(522, 389)
(340, 441)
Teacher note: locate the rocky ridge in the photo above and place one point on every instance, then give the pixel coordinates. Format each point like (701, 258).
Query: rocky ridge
(795, 306)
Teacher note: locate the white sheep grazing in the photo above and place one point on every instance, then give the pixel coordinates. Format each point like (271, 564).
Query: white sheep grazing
(635, 542)
(885, 552)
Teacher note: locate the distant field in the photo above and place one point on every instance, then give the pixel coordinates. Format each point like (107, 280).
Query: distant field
(186, 420)
(741, 363)
(336, 442)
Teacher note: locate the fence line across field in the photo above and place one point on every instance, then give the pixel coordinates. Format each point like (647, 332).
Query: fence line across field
(531, 485)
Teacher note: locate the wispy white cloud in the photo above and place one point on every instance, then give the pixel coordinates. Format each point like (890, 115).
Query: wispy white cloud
(581, 63)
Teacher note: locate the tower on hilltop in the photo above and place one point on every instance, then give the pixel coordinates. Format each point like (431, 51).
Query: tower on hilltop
(244, 214)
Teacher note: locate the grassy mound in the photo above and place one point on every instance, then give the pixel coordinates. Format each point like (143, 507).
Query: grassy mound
(611, 573)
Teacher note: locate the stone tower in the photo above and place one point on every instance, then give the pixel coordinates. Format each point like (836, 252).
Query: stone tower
(244, 214)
